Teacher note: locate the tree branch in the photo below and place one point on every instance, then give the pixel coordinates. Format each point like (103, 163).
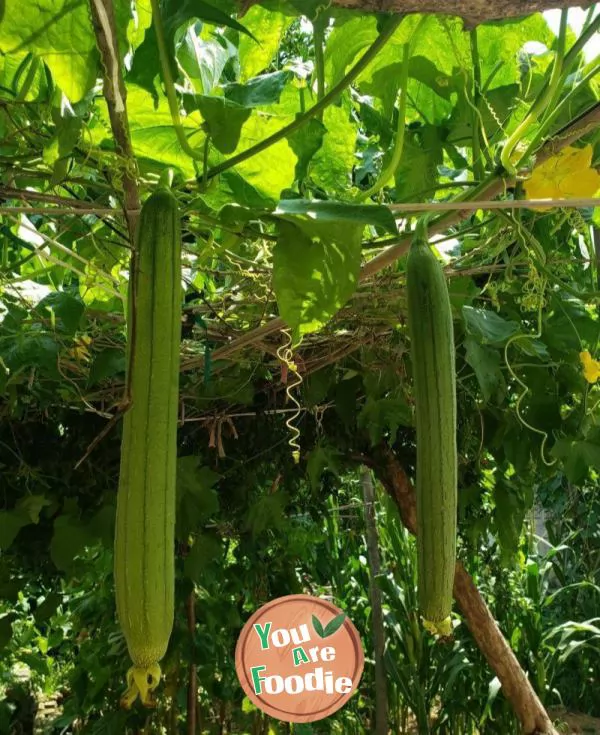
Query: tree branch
(473, 12)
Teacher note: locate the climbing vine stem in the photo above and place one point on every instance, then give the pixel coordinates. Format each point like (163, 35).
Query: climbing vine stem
(540, 103)
(169, 83)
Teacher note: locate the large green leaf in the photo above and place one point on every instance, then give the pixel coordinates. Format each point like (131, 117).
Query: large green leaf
(486, 362)
(421, 156)
(259, 91)
(305, 142)
(203, 60)
(60, 32)
(267, 27)
(578, 457)
(196, 499)
(152, 133)
(68, 308)
(223, 120)
(331, 165)
(206, 550)
(313, 278)
(70, 538)
(487, 326)
(502, 41)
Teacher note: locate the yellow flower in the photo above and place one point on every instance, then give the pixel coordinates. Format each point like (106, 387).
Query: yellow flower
(568, 175)
(591, 367)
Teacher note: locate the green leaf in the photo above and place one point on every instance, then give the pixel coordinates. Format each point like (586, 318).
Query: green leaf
(313, 279)
(267, 512)
(31, 349)
(68, 308)
(48, 607)
(504, 40)
(223, 120)
(339, 214)
(487, 326)
(316, 623)
(424, 70)
(332, 164)
(177, 13)
(423, 152)
(383, 417)
(70, 537)
(181, 12)
(60, 33)
(256, 52)
(26, 511)
(334, 625)
(203, 60)
(509, 514)
(316, 386)
(345, 42)
(321, 458)
(11, 522)
(197, 501)
(152, 134)
(31, 506)
(486, 362)
(6, 629)
(578, 457)
(206, 550)
(107, 364)
(259, 91)
(60, 146)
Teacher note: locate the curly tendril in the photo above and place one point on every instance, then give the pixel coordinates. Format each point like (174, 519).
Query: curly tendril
(285, 355)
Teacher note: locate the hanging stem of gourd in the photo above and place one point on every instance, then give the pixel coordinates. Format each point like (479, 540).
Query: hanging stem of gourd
(388, 172)
(169, 84)
(541, 102)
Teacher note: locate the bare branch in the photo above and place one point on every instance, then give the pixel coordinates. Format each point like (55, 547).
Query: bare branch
(473, 12)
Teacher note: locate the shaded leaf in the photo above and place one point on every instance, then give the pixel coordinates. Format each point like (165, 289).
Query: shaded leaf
(486, 362)
(321, 458)
(107, 364)
(68, 308)
(70, 537)
(206, 550)
(259, 91)
(487, 326)
(223, 120)
(6, 629)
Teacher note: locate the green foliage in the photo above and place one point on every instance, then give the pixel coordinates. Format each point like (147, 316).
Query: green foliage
(279, 234)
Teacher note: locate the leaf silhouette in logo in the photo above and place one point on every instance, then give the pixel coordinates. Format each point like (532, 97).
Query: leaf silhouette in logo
(334, 625)
(318, 627)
